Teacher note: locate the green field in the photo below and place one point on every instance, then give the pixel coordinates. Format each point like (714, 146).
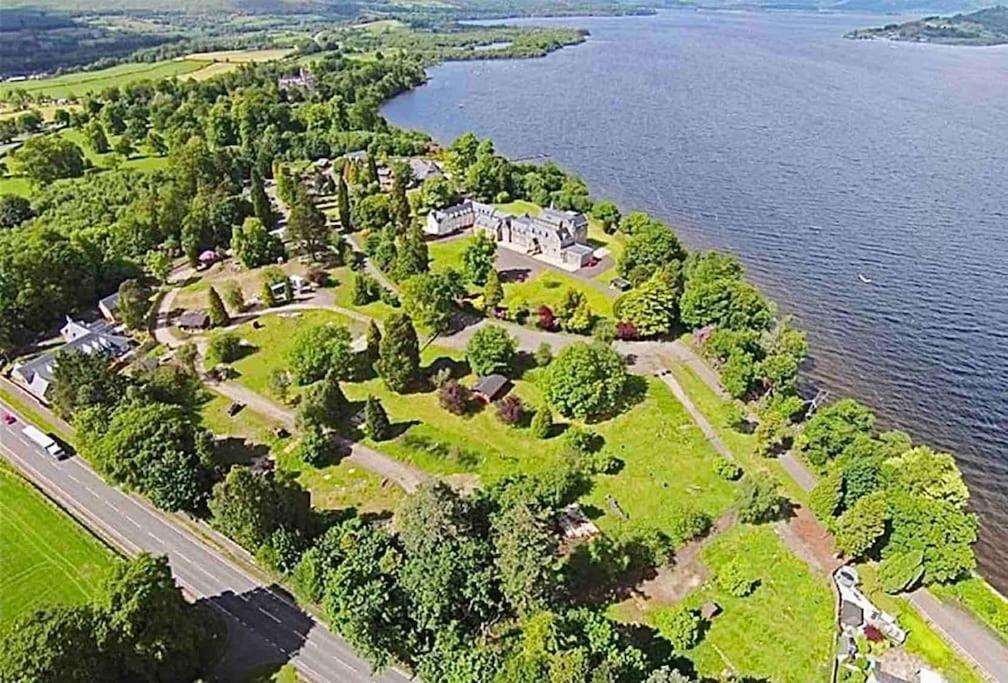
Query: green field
(46, 558)
(77, 84)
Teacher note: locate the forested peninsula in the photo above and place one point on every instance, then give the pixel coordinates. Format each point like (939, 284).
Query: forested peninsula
(985, 27)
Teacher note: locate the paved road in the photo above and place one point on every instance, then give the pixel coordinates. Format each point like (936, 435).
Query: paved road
(264, 625)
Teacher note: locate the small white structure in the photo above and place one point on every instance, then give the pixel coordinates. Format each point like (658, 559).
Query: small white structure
(857, 611)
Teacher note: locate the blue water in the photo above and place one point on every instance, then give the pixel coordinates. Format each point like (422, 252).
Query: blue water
(813, 158)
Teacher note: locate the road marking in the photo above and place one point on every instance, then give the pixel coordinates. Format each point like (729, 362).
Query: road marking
(151, 534)
(110, 505)
(268, 614)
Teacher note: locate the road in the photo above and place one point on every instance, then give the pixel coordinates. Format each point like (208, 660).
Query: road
(264, 625)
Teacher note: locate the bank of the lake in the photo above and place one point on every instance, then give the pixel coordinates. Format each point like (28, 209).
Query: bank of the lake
(816, 159)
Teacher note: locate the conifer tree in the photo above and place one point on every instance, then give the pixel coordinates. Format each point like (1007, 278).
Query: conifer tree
(374, 337)
(399, 353)
(400, 202)
(412, 257)
(343, 201)
(376, 421)
(493, 292)
(372, 169)
(261, 203)
(542, 423)
(215, 309)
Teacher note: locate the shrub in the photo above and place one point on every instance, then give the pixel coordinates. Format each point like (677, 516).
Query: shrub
(454, 397)
(688, 523)
(902, 571)
(726, 469)
(825, 498)
(518, 310)
(318, 277)
(581, 441)
(734, 580)
(543, 355)
(627, 331)
(376, 420)
(314, 447)
(223, 348)
(547, 319)
(510, 410)
(679, 626)
(759, 499)
(586, 381)
(542, 423)
(604, 331)
(279, 382)
(491, 350)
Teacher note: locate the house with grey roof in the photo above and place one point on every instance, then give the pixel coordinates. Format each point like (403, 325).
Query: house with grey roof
(555, 236)
(109, 307)
(36, 374)
(424, 169)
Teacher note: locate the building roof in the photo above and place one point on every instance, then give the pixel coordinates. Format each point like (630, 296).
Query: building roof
(851, 614)
(883, 677)
(424, 168)
(37, 373)
(110, 303)
(580, 249)
(491, 385)
(194, 319)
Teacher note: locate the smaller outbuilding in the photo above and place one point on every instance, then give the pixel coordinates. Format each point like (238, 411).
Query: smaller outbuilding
(488, 389)
(709, 610)
(193, 320)
(620, 284)
(109, 307)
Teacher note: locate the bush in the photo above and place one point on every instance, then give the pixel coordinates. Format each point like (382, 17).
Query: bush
(688, 523)
(542, 423)
(546, 318)
(734, 580)
(759, 499)
(510, 410)
(581, 441)
(627, 331)
(223, 348)
(726, 469)
(679, 626)
(586, 381)
(491, 350)
(315, 446)
(543, 355)
(376, 420)
(604, 331)
(454, 397)
(318, 277)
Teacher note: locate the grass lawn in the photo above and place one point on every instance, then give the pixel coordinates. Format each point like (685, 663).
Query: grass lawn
(447, 253)
(783, 631)
(77, 84)
(16, 185)
(274, 340)
(341, 286)
(46, 558)
(923, 640)
(549, 287)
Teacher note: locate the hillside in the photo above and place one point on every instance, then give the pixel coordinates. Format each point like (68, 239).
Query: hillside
(985, 27)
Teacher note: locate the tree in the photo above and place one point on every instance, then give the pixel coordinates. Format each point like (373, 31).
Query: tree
(759, 499)
(574, 312)
(429, 298)
(343, 205)
(29, 122)
(679, 626)
(14, 210)
(155, 448)
(45, 158)
(320, 350)
(826, 497)
(652, 307)
(253, 245)
(371, 213)
(585, 381)
(215, 308)
(315, 446)
(491, 350)
(606, 213)
(155, 634)
(860, 528)
(373, 341)
(233, 296)
(437, 192)
(223, 348)
(542, 423)
(726, 303)
(943, 532)
(901, 571)
(95, 138)
(412, 257)
(399, 353)
(493, 292)
(262, 209)
(307, 224)
(187, 355)
(8, 129)
(248, 507)
(510, 410)
(82, 380)
(323, 405)
(279, 383)
(925, 473)
(55, 645)
(478, 258)
(649, 248)
(134, 303)
(667, 675)
(376, 420)
(834, 428)
(526, 550)
(454, 397)
(401, 177)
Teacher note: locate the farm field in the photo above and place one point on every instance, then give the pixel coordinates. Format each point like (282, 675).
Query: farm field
(46, 558)
(77, 84)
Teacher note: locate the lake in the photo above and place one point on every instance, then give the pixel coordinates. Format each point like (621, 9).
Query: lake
(814, 159)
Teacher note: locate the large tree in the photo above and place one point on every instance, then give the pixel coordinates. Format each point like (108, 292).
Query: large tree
(14, 210)
(248, 507)
(343, 205)
(320, 349)
(833, 428)
(401, 178)
(398, 353)
(253, 245)
(45, 158)
(585, 380)
(490, 350)
(134, 303)
(307, 224)
(649, 249)
(261, 207)
(82, 380)
(478, 258)
(652, 307)
(525, 545)
(429, 298)
(323, 405)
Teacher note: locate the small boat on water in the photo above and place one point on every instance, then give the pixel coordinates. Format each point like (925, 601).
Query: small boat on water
(865, 279)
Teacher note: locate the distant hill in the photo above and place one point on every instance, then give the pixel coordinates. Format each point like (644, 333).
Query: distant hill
(985, 27)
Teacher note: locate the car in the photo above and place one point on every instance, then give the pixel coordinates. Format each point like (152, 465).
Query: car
(8, 419)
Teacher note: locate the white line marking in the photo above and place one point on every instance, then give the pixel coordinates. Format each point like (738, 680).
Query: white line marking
(269, 615)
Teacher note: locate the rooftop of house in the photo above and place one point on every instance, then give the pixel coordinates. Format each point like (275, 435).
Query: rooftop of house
(490, 386)
(110, 302)
(194, 319)
(80, 337)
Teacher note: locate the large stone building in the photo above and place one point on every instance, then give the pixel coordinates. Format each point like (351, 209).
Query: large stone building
(558, 237)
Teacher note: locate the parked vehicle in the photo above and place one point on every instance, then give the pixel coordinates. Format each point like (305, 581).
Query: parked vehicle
(44, 441)
(8, 419)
